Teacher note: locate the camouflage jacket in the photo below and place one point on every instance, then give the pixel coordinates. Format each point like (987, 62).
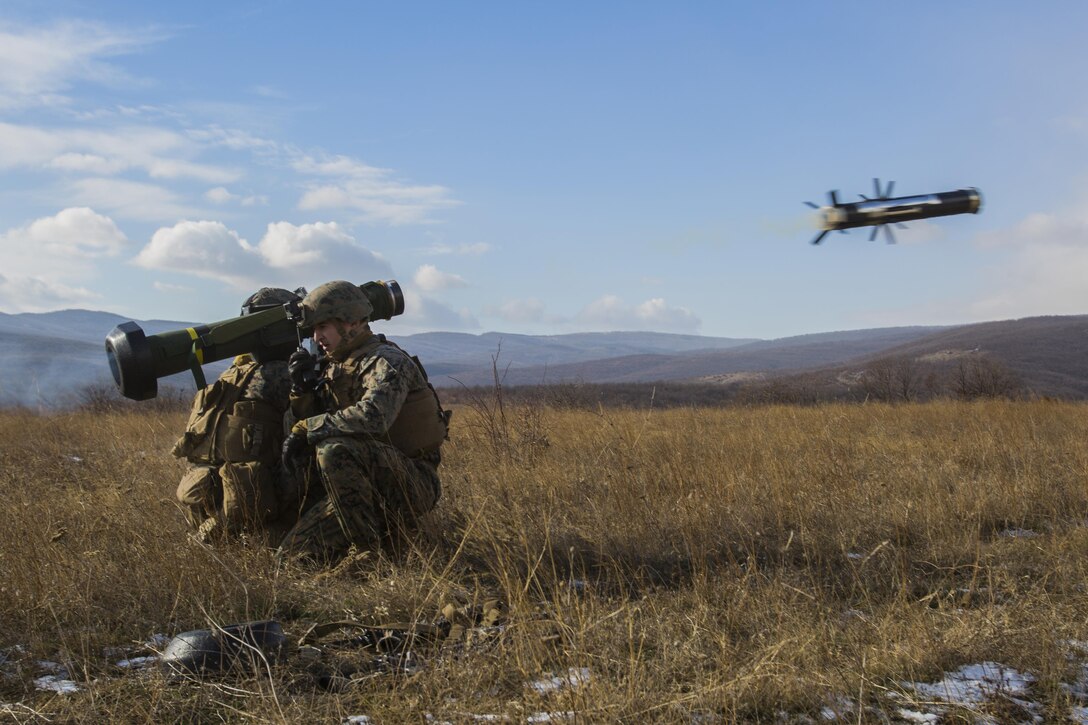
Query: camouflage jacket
(271, 383)
(239, 417)
(364, 387)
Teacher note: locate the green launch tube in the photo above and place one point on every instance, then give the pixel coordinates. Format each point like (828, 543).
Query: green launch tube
(137, 360)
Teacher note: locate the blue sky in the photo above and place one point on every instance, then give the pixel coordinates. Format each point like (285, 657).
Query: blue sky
(543, 167)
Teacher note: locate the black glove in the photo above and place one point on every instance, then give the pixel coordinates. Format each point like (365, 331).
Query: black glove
(302, 368)
(295, 452)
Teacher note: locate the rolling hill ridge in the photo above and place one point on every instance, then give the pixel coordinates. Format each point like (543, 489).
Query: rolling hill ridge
(46, 359)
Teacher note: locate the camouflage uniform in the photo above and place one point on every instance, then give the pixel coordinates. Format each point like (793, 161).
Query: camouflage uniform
(232, 442)
(232, 496)
(376, 427)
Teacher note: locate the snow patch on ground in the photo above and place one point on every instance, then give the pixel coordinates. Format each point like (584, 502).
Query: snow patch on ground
(138, 663)
(575, 678)
(56, 684)
(971, 687)
(975, 687)
(550, 716)
(975, 684)
(1018, 534)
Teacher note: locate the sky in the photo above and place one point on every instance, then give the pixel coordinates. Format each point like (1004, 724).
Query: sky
(543, 168)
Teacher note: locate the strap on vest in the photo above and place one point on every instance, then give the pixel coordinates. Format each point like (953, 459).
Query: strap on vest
(195, 357)
(196, 354)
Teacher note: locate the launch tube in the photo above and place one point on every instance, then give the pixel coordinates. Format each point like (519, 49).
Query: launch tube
(138, 360)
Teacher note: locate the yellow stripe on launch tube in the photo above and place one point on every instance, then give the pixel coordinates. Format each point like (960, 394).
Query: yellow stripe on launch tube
(199, 350)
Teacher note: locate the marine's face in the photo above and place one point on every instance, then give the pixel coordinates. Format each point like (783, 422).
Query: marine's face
(327, 334)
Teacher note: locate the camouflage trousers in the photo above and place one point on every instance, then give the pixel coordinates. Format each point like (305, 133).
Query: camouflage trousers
(369, 492)
(232, 499)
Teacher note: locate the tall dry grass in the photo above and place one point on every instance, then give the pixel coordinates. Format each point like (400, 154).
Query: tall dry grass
(734, 565)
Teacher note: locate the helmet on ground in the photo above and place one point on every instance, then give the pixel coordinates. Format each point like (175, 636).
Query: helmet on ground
(337, 300)
(237, 647)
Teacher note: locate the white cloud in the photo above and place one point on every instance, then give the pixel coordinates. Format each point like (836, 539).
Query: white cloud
(604, 314)
(612, 313)
(88, 163)
(656, 313)
(287, 255)
(384, 202)
(35, 294)
(170, 288)
(369, 190)
(233, 139)
(1044, 271)
(423, 314)
(75, 232)
(38, 64)
(219, 195)
(1036, 267)
(1039, 228)
(430, 279)
(319, 252)
(204, 249)
(44, 258)
(130, 199)
(160, 153)
(287, 245)
(222, 195)
(461, 249)
(344, 166)
(919, 231)
(524, 311)
(27, 146)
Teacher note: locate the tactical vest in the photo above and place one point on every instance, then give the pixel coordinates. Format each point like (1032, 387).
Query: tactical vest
(223, 428)
(421, 425)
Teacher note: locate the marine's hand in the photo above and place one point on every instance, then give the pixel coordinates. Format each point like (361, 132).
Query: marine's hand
(302, 368)
(295, 452)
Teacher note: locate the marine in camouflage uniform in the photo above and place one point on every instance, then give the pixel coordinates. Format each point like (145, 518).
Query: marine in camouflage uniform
(235, 484)
(370, 431)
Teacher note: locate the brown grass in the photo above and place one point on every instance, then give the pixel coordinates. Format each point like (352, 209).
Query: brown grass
(731, 564)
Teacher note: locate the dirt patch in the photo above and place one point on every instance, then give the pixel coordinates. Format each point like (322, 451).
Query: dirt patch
(733, 378)
(946, 355)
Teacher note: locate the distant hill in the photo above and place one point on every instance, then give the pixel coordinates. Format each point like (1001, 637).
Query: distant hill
(47, 359)
(790, 353)
(452, 356)
(83, 325)
(1049, 354)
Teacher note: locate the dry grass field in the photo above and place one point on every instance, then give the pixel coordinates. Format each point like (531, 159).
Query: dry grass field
(763, 564)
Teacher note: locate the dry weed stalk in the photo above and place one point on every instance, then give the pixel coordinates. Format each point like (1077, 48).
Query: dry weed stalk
(697, 563)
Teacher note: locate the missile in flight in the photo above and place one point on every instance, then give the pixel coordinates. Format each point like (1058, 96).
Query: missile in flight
(883, 210)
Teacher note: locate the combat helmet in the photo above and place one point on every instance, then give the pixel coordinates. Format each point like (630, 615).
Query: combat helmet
(339, 300)
(263, 299)
(267, 297)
